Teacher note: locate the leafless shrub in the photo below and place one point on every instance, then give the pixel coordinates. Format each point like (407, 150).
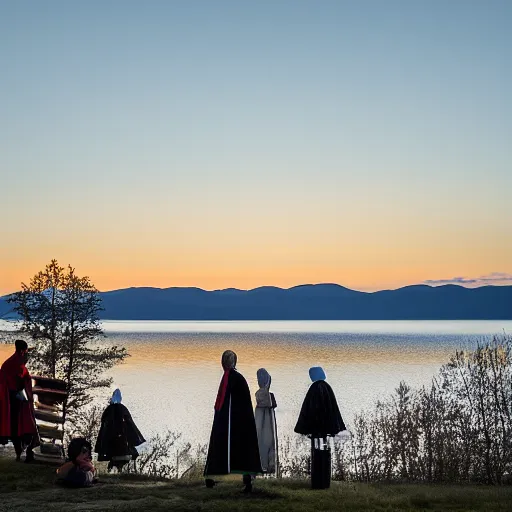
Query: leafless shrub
(457, 430)
(86, 424)
(166, 456)
(193, 462)
(294, 457)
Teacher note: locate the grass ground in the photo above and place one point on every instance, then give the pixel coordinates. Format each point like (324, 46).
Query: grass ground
(31, 488)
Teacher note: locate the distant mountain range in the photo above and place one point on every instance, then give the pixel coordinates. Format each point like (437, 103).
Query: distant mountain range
(307, 302)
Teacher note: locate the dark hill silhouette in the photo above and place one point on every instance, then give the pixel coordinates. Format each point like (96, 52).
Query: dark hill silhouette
(307, 302)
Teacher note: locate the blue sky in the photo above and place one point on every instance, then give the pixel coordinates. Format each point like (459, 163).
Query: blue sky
(246, 143)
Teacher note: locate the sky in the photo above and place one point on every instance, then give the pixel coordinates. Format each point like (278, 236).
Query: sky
(239, 144)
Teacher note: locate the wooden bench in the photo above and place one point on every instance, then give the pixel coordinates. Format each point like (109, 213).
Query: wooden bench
(49, 417)
(50, 432)
(49, 396)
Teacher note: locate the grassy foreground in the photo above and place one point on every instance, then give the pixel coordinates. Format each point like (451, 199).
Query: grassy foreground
(31, 488)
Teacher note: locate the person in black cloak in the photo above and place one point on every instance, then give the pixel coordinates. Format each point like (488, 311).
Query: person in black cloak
(319, 419)
(118, 436)
(233, 444)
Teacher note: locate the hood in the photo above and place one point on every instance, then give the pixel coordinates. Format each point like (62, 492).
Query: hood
(264, 378)
(317, 373)
(116, 397)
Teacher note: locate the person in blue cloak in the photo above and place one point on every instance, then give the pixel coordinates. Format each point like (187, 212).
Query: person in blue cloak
(319, 419)
(118, 437)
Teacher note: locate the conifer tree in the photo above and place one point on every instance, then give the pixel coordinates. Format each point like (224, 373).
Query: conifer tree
(59, 311)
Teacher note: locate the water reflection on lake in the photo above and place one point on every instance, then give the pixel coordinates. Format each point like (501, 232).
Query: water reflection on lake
(172, 376)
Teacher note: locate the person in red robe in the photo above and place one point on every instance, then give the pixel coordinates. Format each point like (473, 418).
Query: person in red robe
(17, 418)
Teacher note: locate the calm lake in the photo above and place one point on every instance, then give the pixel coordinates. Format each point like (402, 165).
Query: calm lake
(171, 379)
(172, 376)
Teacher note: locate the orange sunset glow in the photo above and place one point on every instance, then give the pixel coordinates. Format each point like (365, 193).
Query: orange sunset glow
(243, 160)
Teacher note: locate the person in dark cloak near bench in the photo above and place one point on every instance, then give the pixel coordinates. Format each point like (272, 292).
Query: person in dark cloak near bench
(118, 437)
(233, 444)
(319, 419)
(17, 417)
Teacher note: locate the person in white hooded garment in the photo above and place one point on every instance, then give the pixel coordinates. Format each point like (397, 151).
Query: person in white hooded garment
(266, 426)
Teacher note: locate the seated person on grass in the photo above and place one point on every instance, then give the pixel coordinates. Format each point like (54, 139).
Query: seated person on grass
(79, 470)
